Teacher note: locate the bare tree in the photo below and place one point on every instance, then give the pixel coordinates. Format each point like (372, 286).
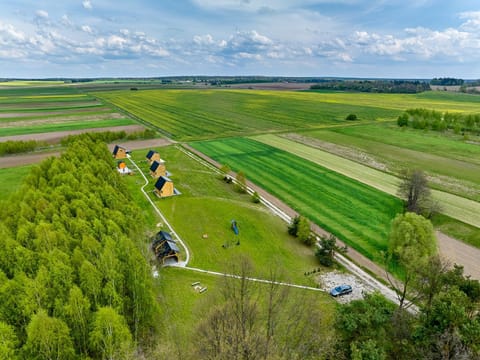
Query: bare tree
(261, 321)
(415, 191)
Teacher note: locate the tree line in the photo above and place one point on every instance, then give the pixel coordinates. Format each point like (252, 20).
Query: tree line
(17, 147)
(440, 121)
(447, 81)
(73, 283)
(374, 86)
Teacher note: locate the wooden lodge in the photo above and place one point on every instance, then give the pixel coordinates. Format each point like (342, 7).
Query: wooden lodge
(119, 152)
(158, 169)
(152, 156)
(164, 187)
(164, 246)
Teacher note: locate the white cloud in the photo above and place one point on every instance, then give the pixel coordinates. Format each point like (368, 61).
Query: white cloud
(87, 4)
(42, 14)
(87, 29)
(472, 22)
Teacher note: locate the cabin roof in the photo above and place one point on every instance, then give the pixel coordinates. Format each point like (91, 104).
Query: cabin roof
(155, 165)
(163, 235)
(172, 246)
(150, 154)
(161, 182)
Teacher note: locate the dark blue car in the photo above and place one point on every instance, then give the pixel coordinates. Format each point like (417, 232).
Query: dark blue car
(341, 290)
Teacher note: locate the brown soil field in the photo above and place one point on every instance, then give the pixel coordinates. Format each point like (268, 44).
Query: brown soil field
(460, 253)
(20, 160)
(53, 104)
(61, 119)
(53, 112)
(272, 86)
(55, 137)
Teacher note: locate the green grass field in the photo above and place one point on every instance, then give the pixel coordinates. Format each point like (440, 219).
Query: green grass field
(454, 206)
(203, 114)
(199, 114)
(11, 179)
(358, 214)
(207, 205)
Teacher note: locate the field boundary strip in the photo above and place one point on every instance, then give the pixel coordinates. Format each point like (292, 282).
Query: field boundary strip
(459, 208)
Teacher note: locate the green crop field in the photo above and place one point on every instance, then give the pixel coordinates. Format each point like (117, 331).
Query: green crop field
(453, 165)
(358, 214)
(207, 205)
(203, 114)
(454, 206)
(49, 109)
(194, 114)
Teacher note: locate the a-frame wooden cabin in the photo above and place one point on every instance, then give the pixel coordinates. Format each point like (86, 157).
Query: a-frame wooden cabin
(119, 152)
(152, 155)
(158, 169)
(164, 187)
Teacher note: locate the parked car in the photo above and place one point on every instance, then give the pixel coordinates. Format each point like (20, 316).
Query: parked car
(341, 290)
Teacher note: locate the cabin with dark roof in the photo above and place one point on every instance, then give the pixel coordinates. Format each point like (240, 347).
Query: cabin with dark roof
(152, 155)
(165, 247)
(164, 187)
(158, 169)
(119, 152)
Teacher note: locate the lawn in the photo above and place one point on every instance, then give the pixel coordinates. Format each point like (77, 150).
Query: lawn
(356, 213)
(454, 206)
(207, 205)
(185, 309)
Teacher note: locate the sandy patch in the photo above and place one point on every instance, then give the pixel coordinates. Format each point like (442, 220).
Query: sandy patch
(458, 252)
(329, 280)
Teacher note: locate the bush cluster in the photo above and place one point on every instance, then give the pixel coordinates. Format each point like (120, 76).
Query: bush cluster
(440, 121)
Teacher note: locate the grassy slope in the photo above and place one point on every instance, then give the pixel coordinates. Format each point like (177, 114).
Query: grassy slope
(207, 205)
(358, 214)
(454, 206)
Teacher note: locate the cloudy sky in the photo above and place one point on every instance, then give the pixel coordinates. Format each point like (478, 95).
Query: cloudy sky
(358, 38)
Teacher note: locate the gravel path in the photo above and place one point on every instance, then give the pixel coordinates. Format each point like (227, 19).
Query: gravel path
(460, 253)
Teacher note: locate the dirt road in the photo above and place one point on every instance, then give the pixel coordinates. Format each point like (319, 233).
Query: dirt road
(460, 253)
(20, 160)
